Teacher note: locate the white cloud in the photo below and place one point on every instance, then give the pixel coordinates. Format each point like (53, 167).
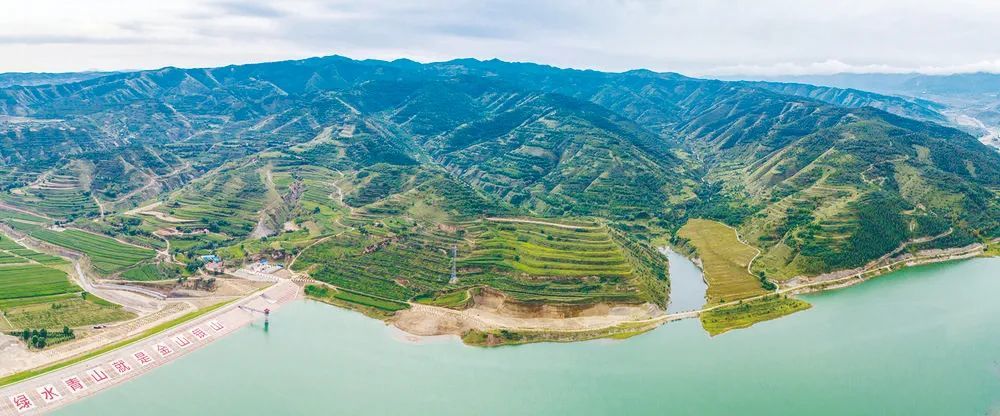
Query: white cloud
(704, 37)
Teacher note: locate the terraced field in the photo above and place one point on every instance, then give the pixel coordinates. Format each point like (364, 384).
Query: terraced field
(12, 253)
(539, 250)
(228, 202)
(151, 272)
(724, 259)
(545, 263)
(107, 255)
(403, 260)
(397, 261)
(60, 195)
(18, 215)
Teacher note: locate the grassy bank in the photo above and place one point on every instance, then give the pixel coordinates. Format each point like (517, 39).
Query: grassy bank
(370, 306)
(498, 337)
(745, 314)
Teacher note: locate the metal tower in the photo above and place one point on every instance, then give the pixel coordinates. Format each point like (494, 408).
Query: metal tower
(454, 274)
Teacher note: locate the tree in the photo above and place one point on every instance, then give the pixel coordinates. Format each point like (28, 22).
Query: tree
(44, 333)
(194, 265)
(41, 343)
(26, 335)
(66, 331)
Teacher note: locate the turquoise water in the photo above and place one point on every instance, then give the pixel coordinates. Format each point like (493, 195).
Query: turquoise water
(924, 341)
(687, 285)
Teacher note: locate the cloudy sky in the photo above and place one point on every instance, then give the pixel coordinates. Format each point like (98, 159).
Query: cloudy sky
(697, 37)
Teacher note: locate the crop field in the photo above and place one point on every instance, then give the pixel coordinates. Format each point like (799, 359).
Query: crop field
(13, 253)
(228, 202)
(371, 306)
(60, 195)
(106, 254)
(18, 215)
(724, 259)
(29, 280)
(37, 257)
(539, 250)
(748, 313)
(55, 312)
(542, 263)
(404, 260)
(34, 295)
(151, 272)
(408, 263)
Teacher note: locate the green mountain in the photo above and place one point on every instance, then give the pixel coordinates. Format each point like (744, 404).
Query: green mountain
(968, 101)
(909, 107)
(407, 161)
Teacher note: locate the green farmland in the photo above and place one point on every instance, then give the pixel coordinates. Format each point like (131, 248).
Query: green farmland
(550, 251)
(152, 272)
(533, 263)
(725, 260)
(227, 203)
(60, 195)
(36, 293)
(745, 314)
(18, 215)
(54, 312)
(106, 254)
(29, 280)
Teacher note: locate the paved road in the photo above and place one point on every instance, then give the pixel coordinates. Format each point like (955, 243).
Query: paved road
(49, 391)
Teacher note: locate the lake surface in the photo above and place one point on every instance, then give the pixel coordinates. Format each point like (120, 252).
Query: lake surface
(923, 341)
(687, 285)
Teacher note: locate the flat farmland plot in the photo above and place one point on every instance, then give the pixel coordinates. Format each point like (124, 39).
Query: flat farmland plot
(725, 260)
(55, 312)
(30, 280)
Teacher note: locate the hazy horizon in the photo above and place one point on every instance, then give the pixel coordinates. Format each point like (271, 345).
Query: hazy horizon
(706, 39)
(725, 77)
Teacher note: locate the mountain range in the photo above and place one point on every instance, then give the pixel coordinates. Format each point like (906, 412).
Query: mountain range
(821, 178)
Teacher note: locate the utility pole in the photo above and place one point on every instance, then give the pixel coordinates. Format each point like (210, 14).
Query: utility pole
(454, 274)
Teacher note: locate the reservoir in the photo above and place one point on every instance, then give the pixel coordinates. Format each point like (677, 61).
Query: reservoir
(923, 341)
(687, 285)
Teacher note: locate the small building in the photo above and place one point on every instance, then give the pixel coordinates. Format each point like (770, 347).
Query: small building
(210, 258)
(215, 266)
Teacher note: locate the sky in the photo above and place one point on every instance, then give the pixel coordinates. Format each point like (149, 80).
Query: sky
(694, 37)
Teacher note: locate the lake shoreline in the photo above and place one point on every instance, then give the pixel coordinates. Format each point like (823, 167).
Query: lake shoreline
(826, 355)
(194, 335)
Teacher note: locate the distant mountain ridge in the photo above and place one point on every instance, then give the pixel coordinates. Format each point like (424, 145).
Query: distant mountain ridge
(9, 79)
(970, 101)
